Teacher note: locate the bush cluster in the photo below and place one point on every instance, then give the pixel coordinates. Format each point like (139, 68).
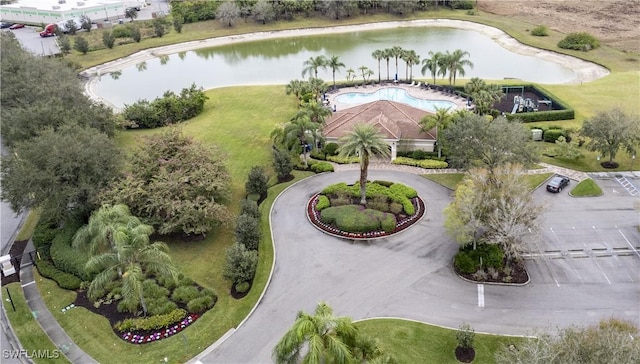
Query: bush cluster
(43, 235)
(257, 182)
(65, 257)
(424, 163)
(400, 194)
(241, 264)
(540, 31)
(323, 203)
(551, 135)
(250, 207)
(320, 167)
(185, 294)
(165, 110)
(552, 115)
(248, 231)
(468, 260)
(201, 304)
(64, 280)
(580, 41)
(419, 154)
(343, 160)
(152, 322)
(357, 219)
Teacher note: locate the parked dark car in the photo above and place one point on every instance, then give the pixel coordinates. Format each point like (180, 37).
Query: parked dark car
(5, 25)
(557, 183)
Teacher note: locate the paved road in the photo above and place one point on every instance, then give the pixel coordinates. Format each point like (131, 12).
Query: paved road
(410, 276)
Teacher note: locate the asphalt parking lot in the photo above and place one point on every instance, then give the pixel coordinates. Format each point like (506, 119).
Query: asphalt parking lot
(31, 40)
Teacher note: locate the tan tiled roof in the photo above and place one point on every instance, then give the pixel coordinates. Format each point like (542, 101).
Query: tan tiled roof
(392, 119)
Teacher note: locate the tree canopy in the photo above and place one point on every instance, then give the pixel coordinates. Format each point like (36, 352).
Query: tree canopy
(611, 130)
(175, 184)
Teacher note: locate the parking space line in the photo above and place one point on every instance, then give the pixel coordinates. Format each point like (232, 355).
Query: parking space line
(595, 260)
(628, 242)
(481, 295)
(546, 260)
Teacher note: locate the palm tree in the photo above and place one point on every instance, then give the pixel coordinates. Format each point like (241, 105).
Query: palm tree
(396, 52)
(315, 111)
(351, 74)
(132, 259)
(439, 120)
(335, 65)
(366, 72)
(387, 56)
(484, 95)
(433, 64)
(297, 88)
(378, 55)
(328, 338)
(317, 87)
(364, 141)
(101, 234)
(411, 58)
(456, 64)
(300, 132)
(312, 64)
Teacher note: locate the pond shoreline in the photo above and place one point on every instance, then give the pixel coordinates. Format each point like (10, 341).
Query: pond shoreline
(585, 71)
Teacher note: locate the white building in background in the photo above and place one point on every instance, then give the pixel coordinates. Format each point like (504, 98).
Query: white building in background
(38, 12)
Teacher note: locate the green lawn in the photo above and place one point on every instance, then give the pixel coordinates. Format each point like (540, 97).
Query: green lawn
(413, 342)
(451, 180)
(586, 188)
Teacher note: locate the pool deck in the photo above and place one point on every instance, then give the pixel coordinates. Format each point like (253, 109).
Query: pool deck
(417, 92)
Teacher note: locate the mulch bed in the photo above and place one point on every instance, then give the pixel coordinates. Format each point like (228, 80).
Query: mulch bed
(238, 295)
(17, 249)
(465, 355)
(519, 274)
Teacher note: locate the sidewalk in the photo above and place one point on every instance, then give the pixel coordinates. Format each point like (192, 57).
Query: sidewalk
(46, 320)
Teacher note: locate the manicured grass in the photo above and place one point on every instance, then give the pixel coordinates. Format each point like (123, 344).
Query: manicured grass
(413, 342)
(29, 225)
(31, 336)
(448, 180)
(586, 188)
(535, 180)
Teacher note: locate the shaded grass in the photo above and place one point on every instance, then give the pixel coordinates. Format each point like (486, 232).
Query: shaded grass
(412, 342)
(29, 225)
(534, 181)
(31, 336)
(586, 188)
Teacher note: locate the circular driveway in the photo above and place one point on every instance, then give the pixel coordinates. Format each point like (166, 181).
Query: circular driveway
(408, 275)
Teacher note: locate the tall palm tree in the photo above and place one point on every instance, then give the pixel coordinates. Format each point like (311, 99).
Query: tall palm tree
(297, 88)
(317, 86)
(364, 141)
(312, 65)
(300, 132)
(101, 234)
(396, 52)
(411, 58)
(456, 64)
(378, 55)
(327, 338)
(433, 64)
(315, 111)
(387, 56)
(132, 259)
(439, 120)
(365, 72)
(484, 95)
(351, 75)
(335, 65)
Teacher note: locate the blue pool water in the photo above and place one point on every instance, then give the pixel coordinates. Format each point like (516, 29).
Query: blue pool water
(393, 94)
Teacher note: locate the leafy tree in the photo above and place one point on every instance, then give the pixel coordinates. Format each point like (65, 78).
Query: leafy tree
(160, 25)
(263, 11)
(248, 231)
(60, 171)
(312, 65)
(474, 141)
(174, 183)
(484, 95)
(335, 64)
(440, 120)
(435, 65)
(568, 150)
(282, 163)
(610, 341)
(178, 22)
(257, 182)
(337, 8)
(325, 337)
(81, 45)
(464, 216)
(102, 233)
(130, 261)
(71, 26)
(108, 39)
(65, 44)
(465, 336)
(228, 12)
(241, 264)
(250, 207)
(85, 23)
(456, 64)
(378, 55)
(131, 13)
(611, 130)
(363, 140)
(137, 36)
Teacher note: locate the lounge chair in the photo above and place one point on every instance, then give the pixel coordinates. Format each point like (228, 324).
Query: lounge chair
(419, 84)
(413, 83)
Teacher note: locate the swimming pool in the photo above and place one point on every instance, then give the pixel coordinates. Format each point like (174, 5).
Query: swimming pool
(393, 94)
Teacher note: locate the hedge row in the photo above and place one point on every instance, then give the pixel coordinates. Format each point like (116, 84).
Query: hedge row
(357, 219)
(64, 280)
(151, 322)
(343, 160)
(400, 194)
(423, 163)
(567, 113)
(420, 154)
(320, 167)
(65, 257)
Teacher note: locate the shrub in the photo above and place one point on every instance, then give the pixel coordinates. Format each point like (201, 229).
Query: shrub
(248, 231)
(461, 4)
(64, 280)
(250, 207)
(151, 289)
(468, 260)
(282, 163)
(465, 336)
(121, 32)
(551, 135)
(108, 39)
(425, 163)
(256, 181)
(464, 263)
(65, 257)
(201, 304)
(152, 322)
(343, 160)
(388, 223)
(242, 287)
(241, 264)
(540, 31)
(160, 306)
(321, 167)
(42, 236)
(379, 203)
(331, 149)
(579, 41)
(184, 294)
(404, 190)
(355, 218)
(323, 203)
(383, 183)
(395, 208)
